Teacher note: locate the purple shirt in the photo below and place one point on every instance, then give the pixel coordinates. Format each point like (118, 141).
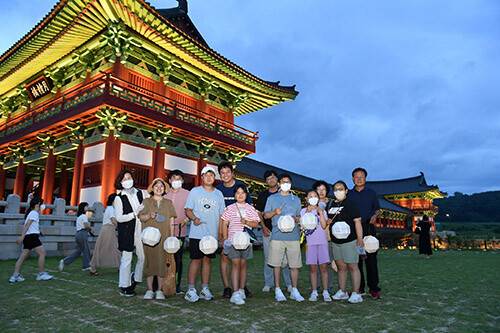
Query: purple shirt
(318, 237)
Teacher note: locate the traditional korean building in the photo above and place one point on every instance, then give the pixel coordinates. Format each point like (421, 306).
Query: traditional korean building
(98, 86)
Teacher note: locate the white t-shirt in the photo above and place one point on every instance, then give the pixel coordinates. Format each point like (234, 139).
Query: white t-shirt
(35, 226)
(80, 221)
(108, 214)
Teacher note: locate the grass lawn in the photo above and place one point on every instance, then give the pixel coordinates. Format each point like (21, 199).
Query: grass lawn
(454, 291)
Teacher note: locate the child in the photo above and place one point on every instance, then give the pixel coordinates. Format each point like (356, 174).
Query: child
(317, 247)
(30, 239)
(235, 218)
(81, 239)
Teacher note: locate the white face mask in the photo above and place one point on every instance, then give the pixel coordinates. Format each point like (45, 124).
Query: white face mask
(313, 201)
(340, 195)
(176, 184)
(42, 207)
(285, 187)
(127, 184)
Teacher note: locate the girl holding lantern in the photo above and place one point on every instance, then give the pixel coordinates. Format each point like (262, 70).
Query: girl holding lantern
(235, 218)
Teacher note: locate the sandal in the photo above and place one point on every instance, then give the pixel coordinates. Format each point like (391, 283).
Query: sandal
(96, 273)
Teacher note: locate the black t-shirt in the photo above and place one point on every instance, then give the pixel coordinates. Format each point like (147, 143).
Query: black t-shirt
(347, 212)
(261, 205)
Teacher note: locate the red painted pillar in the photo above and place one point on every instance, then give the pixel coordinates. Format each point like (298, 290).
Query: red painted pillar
(63, 183)
(49, 178)
(75, 188)
(3, 175)
(159, 163)
(110, 166)
(20, 177)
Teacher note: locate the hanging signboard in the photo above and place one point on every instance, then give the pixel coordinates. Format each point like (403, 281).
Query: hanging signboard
(39, 88)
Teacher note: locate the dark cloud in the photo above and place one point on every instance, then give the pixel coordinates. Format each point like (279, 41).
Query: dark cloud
(395, 86)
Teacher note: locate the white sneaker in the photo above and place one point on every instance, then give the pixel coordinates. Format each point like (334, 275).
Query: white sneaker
(314, 296)
(61, 265)
(266, 289)
(289, 288)
(148, 295)
(206, 294)
(279, 295)
(44, 276)
(326, 296)
(86, 269)
(18, 278)
(159, 294)
(242, 293)
(340, 295)
(191, 296)
(236, 298)
(355, 298)
(296, 295)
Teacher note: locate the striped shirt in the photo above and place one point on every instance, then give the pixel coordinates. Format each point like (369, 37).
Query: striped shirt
(232, 215)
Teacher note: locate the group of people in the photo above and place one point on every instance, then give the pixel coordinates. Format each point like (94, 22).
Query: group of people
(221, 211)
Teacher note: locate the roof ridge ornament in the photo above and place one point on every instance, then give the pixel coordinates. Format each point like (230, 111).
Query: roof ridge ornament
(183, 5)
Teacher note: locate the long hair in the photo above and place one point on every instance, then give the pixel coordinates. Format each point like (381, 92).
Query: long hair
(33, 203)
(81, 208)
(118, 180)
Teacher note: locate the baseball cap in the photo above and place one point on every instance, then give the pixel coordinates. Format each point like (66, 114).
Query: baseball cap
(207, 169)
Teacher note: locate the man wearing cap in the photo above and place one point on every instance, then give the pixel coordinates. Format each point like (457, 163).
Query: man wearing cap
(227, 188)
(204, 206)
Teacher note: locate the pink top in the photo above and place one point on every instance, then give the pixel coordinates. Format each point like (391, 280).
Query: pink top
(232, 215)
(179, 200)
(318, 237)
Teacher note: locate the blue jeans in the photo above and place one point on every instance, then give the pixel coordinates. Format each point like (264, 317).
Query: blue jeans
(81, 247)
(268, 270)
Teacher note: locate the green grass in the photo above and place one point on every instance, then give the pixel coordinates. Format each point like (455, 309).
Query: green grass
(453, 291)
(480, 229)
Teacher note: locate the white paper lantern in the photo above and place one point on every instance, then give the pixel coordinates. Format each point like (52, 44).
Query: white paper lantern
(286, 223)
(309, 221)
(240, 240)
(208, 245)
(341, 230)
(171, 245)
(371, 244)
(151, 236)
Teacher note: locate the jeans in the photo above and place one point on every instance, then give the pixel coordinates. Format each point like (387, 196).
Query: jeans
(126, 263)
(268, 270)
(81, 247)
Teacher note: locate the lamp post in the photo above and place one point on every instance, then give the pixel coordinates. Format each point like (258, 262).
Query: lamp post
(448, 216)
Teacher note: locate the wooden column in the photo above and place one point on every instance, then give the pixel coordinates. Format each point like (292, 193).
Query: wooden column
(20, 177)
(49, 178)
(75, 188)
(159, 163)
(3, 175)
(63, 183)
(110, 166)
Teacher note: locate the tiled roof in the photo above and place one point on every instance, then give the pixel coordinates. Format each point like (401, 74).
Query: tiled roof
(397, 186)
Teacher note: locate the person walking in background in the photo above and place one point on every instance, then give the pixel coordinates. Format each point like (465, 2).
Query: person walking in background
(424, 239)
(127, 204)
(369, 208)
(227, 187)
(30, 237)
(178, 195)
(271, 178)
(159, 213)
(106, 252)
(81, 239)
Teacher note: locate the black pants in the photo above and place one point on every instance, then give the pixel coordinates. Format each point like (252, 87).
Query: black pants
(371, 272)
(178, 261)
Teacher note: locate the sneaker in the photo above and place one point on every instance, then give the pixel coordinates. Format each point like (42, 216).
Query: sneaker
(242, 294)
(159, 294)
(278, 294)
(237, 299)
(148, 295)
(355, 298)
(227, 293)
(179, 291)
(44, 276)
(206, 294)
(314, 296)
(16, 278)
(248, 293)
(127, 292)
(296, 295)
(375, 294)
(326, 296)
(266, 289)
(340, 295)
(61, 265)
(86, 269)
(191, 296)
(289, 288)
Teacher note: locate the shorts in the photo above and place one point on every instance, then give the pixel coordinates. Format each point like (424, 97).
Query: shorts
(277, 251)
(317, 254)
(195, 252)
(240, 254)
(346, 252)
(31, 241)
